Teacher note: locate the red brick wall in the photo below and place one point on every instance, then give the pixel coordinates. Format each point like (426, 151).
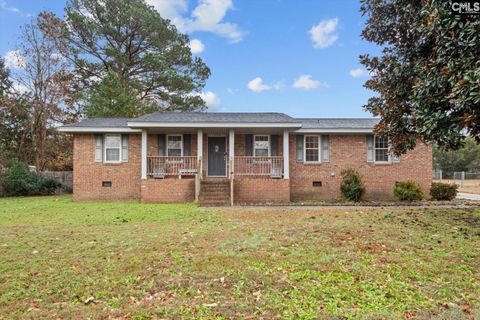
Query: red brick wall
(168, 190)
(261, 190)
(88, 174)
(349, 151)
(346, 151)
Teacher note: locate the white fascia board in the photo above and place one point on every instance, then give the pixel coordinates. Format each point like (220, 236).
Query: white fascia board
(149, 124)
(333, 130)
(97, 129)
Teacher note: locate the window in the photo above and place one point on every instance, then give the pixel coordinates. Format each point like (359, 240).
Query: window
(381, 149)
(113, 148)
(312, 148)
(261, 146)
(174, 146)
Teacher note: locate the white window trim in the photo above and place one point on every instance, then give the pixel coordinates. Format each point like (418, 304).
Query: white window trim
(375, 152)
(105, 148)
(181, 144)
(319, 148)
(269, 146)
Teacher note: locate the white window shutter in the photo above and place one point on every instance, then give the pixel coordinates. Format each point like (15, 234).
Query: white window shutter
(325, 148)
(98, 148)
(370, 149)
(124, 147)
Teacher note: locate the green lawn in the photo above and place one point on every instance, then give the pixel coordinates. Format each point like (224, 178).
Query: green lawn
(129, 260)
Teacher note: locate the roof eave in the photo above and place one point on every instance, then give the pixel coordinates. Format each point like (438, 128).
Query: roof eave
(155, 124)
(97, 129)
(335, 130)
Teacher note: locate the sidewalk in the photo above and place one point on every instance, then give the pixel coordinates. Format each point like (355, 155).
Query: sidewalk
(469, 196)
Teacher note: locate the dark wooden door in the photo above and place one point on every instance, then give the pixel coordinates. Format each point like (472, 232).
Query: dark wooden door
(217, 156)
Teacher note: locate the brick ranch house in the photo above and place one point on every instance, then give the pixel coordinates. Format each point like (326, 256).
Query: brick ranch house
(224, 158)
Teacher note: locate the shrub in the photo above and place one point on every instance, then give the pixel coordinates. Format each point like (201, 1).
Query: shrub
(48, 185)
(19, 180)
(352, 185)
(408, 190)
(443, 191)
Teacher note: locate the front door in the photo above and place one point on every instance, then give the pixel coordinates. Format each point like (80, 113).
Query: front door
(217, 156)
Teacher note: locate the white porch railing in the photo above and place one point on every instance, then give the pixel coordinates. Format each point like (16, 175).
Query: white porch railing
(160, 167)
(259, 166)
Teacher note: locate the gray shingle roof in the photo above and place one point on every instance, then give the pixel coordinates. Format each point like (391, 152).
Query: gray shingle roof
(240, 117)
(101, 123)
(345, 123)
(219, 117)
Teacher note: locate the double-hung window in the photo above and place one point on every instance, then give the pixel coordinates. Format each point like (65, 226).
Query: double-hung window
(174, 146)
(381, 149)
(113, 148)
(312, 148)
(261, 146)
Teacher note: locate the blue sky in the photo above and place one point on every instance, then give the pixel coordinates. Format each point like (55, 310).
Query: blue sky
(297, 57)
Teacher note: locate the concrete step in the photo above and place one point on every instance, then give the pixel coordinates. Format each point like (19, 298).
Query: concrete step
(214, 193)
(212, 203)
(215, 182)
(213, 197)
(208, 189)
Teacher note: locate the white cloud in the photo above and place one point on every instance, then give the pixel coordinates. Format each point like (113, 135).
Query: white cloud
(257, 85)
(207, 16)
(324, 34)
(232, 91)
(5, 6)
(211, 99)
(196, 46)
(306, 82)
(358, 73)
(169, 9)
(20, 88)
(13, 59)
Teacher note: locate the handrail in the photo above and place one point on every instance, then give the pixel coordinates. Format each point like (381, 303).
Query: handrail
(258, 166)
(161, 166)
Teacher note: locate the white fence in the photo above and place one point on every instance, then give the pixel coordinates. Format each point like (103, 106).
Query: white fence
(467, 179)
(468, 182)
(438, 175)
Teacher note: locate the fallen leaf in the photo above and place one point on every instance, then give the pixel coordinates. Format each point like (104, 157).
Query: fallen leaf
(210, 305)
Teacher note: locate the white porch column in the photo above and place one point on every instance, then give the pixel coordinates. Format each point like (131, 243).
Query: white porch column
(231, 151)
(200, 150)
(286, 155)
(231, 157)
(144, 154)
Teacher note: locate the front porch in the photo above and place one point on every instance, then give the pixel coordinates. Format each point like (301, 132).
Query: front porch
(177, 164)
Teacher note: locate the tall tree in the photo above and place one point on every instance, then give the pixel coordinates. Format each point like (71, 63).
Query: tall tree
(114, 97)
(428, 76)
(14, 119)
(466, 158)
(46, 81)
(128, 43)
(5, 81)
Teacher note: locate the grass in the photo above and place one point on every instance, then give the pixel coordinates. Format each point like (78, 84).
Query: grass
(61, 259)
